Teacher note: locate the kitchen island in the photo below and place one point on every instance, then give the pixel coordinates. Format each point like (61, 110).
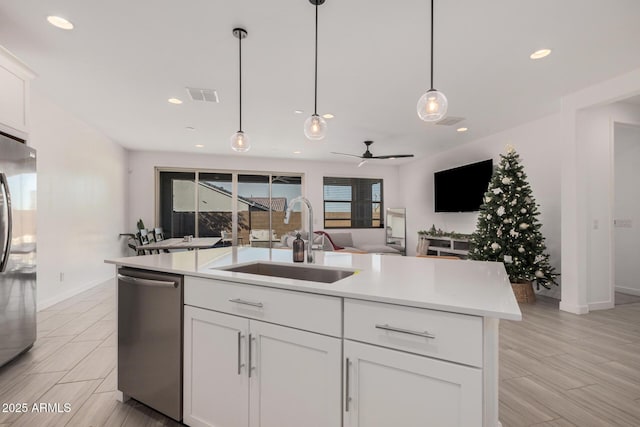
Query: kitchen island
(396, 341)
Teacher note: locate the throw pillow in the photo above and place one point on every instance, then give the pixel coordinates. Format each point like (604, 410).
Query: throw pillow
(327, 237)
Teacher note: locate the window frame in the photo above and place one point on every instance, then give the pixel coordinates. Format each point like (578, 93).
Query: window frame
(234, 176)
(355, 203)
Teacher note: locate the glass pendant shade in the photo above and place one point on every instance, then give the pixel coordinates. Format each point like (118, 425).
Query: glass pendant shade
(432, 106)
(240, 142)
(315, 127)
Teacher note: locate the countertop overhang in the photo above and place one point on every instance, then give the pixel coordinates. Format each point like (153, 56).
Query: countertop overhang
(470, 287)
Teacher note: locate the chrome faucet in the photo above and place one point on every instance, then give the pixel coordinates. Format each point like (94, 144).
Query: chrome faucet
(287, 215)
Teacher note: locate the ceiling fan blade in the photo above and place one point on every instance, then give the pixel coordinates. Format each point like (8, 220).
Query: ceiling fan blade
(396, 156)
(346, 154)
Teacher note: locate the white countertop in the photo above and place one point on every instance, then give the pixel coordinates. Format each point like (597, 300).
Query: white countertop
(469, 287)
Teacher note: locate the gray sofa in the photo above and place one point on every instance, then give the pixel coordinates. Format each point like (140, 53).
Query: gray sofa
(345, 241)
(337, 241)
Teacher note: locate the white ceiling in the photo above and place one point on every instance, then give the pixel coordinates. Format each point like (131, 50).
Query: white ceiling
(125, 58)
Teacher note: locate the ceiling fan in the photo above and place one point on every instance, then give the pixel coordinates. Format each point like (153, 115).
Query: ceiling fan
(367, 155)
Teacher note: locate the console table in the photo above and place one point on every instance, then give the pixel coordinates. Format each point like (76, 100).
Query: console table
(448, 246)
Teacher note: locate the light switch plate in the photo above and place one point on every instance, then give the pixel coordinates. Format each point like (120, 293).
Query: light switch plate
(623, 223)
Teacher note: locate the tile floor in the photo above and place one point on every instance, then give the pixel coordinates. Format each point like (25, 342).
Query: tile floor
(556, 369)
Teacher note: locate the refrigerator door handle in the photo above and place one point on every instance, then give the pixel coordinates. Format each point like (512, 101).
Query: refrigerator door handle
(7, 246)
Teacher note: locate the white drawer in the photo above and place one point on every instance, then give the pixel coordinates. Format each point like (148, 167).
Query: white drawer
(309, 312)
(454, 337)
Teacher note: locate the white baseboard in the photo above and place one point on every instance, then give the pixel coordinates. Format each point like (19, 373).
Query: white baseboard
(575, 309)
(602, 305)
(41, 305)
(629, 291)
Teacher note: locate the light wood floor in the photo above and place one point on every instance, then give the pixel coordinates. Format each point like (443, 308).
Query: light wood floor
(556, 369)
(73, 360)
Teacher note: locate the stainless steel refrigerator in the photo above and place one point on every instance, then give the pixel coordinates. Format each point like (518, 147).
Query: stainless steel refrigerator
(17, 247)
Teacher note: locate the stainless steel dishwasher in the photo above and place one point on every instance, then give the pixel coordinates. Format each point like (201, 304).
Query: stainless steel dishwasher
(150, 318)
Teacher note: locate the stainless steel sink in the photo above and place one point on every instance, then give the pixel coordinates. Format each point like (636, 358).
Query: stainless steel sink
(312, 274)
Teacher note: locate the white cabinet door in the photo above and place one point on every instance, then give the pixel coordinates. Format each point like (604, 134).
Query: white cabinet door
(295, 378)
(14, 94)
(216, 384)
(12, 100)
(386, 387)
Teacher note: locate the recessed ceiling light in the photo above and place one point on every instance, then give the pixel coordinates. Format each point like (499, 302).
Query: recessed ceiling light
(199, 146)
(191, 128)
(298, 111)
(462, 129)
(328, 116)
(538, 54)
(60, 22)
(297, 152)
(174, 101)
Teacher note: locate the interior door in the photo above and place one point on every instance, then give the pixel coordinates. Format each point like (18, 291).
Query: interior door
(216, 384)
(386, 387)
(295, 378)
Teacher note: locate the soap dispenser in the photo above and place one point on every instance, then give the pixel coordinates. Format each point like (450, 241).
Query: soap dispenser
(298, 249)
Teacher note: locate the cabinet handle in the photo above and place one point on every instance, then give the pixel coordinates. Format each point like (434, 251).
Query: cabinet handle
(347, 398)
(424, 334)
(241, 301)
(249, 343)
(251, 339)
(240, 365)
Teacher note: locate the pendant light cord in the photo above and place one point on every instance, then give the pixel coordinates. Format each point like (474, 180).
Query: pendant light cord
(315, 96)
(240, 77)
(431, 44)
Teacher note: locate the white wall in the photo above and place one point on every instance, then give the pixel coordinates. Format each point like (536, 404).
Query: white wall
(627, 208)
(594, 133)
(82, 201)
(142, 182)
(577, 217)
(537, 142)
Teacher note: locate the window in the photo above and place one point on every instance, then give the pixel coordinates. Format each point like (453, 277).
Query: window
(200, 203)
(352, 202)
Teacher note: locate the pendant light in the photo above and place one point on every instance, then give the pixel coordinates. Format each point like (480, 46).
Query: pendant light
(315, 127)
(239, 140)
(432, 106)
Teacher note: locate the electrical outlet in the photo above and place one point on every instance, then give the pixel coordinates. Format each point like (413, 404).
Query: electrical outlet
(596, 224)
(61, 276)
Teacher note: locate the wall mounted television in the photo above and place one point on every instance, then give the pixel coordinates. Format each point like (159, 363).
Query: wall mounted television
(462, 189)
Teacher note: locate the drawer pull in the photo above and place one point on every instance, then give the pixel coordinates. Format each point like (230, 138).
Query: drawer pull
(424, 334)
(241, 301)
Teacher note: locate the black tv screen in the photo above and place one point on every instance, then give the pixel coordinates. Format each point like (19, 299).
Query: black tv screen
(461, 189)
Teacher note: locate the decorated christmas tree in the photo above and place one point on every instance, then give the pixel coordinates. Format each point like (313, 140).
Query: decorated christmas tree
(508, 229)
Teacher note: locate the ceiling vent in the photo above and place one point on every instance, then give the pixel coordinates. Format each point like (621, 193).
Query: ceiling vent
(450, 121)
(206, 95)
